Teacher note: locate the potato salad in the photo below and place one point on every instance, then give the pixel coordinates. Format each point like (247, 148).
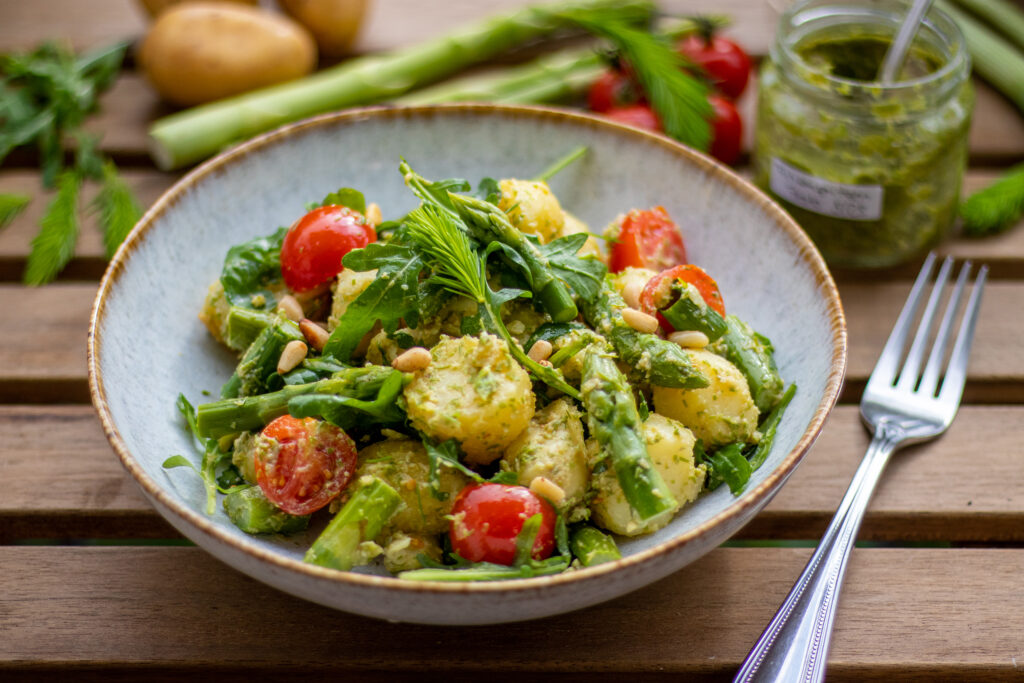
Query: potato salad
(481, 389)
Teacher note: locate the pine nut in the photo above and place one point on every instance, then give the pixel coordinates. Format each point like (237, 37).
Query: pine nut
(291, 307)
(315, 335)
(640, 321)
(373, 214)
(540, 350)
(631, 293)
(690, 339)
(546, 488)
(416, 358)
(293, 354)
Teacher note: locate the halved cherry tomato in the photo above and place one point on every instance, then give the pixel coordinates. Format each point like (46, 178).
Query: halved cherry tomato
(637, 115)
(313, 248)
(302, 465)
(726, 130)
(647, 239)
(657, 292)
(487, 518)
(612, 89)
(725, 63)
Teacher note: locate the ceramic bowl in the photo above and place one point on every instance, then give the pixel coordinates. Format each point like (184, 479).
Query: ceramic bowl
(146, 344)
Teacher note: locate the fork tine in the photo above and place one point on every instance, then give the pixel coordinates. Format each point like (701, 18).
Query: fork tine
(956, 373)
(888, 361)
(912, 366)
(930, 379)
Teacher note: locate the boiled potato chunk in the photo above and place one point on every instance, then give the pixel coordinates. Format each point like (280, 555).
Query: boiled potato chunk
(155, 7)
(630, 283)
(403, 465)
(670, 447)
(718, 414)
(199, 52)
(532, 207)
(334, 23)
(552, 447)
(401, 550)
(473, 391)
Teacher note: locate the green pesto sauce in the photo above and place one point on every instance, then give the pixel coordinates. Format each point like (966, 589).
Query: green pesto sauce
(911, 146)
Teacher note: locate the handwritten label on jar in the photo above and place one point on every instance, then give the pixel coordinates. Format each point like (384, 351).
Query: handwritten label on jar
(839, 200)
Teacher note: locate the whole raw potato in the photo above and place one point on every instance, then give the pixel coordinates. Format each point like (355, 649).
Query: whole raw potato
(155, 7)
(334, 23)
(198, 52)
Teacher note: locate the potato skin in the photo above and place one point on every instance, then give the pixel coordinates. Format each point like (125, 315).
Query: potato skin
(473, 391)
(155, 7)
(333, 23)
(552, 446)
(199, 52)
(670, 446)
(403, 465)
(718, 414)
(532, 207)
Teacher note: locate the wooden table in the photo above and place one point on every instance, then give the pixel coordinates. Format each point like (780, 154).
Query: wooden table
(90, 588)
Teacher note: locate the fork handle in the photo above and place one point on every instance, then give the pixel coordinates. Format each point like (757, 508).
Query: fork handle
(794, 646)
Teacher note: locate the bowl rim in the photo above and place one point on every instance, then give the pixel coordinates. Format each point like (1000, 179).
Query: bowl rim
(206, 526)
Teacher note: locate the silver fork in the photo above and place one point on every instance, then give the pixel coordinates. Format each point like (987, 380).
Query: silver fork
(899, 407)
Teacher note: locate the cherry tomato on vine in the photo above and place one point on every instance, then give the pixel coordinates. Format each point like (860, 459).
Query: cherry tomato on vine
(637, 115)
(487, 518)
(313, 248)
(657, 292)
(647, 239)
(726, 130)
(613, 88)
(725, 63)
(311, 462)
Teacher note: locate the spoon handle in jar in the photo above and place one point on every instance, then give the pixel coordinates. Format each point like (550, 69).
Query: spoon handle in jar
(898, 50)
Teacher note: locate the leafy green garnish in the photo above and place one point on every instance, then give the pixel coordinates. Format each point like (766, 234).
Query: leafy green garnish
(391, 297)
(347, 412)
(729, 465)
(345, 196)
(584, 275)
(249, 269)
(10, 206)
(45, 96)
(997, 207)
(212, 457)
(555, 168)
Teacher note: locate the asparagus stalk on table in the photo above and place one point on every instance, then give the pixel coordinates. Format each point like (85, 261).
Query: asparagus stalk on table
(614, 422)
(195, 134)
(659, 361)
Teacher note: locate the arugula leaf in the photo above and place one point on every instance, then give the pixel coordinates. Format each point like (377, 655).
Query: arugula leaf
(54, 245)
(585, 275)
(117, 207)
(212, 454)
(728, 464)
(489, 190)
(347, 412)
(10, 206)
(250, 267)
(392, 296)
(345, 196)
(444, 454)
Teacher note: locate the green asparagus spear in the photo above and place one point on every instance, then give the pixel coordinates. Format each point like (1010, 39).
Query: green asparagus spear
(752, 354)
(614, 421)
(192, 135)
(260, 359)
(658, 361)
(229, 416)
(769, 425)
(487, 223)
(244, 325)
(359, 521)
(592, 546)
(249, 510)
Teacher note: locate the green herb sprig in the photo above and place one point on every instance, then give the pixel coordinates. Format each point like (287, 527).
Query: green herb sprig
(997, 207)
(46, 95)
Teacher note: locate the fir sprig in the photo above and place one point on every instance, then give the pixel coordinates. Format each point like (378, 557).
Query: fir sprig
(680, 100)
(54, 245)
(10, 206)
(46, 95)
(460, 269)
(997, 207)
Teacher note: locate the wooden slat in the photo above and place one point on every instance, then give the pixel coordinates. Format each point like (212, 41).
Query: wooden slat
(1004, 253)
(125, 607)
(924, 496)
(43, 353)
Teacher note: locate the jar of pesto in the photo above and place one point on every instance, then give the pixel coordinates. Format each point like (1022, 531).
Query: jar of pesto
(871, 171)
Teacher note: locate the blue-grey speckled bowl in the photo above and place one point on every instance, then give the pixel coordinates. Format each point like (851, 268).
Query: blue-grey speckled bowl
(146, 344)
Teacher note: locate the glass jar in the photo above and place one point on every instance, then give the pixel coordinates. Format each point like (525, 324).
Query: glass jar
(872, 172)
